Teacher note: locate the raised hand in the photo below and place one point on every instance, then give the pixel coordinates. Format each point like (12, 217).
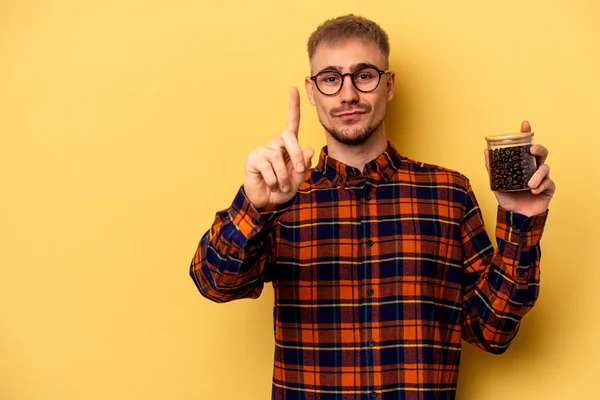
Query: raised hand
(275, 171)
(542, 188)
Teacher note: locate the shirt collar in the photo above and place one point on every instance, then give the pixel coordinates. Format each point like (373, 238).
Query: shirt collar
(381, 168)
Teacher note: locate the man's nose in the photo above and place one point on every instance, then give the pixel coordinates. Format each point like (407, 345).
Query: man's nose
(348, 93)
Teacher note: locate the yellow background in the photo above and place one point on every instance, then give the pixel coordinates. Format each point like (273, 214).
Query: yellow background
(125, 126)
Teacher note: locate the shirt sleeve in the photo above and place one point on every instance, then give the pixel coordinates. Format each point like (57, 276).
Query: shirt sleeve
(233, 258)
(499, 285)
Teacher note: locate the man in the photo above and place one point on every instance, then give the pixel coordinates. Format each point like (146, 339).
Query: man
(380, 264)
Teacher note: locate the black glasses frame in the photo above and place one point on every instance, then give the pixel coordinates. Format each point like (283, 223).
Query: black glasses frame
(351, 75)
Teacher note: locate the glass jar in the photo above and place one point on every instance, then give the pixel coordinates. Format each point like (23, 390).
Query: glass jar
(511, 164)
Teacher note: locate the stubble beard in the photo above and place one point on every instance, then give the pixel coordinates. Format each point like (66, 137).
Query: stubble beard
(352, 137)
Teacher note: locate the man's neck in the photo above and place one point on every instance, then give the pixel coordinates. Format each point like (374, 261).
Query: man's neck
(358, 156)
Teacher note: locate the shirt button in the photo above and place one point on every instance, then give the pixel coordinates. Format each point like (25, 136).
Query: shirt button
(371, 343)
(373, 395)
(340, 179)
(370, 292)
(522, 274)
(254, 221)
(351, 173)
(369, 243)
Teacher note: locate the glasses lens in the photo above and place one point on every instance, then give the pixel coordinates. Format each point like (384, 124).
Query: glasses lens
(329, 82)
(366, 79)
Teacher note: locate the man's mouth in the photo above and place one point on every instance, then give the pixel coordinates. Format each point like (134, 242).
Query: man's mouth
(350, 113)
(350, 116)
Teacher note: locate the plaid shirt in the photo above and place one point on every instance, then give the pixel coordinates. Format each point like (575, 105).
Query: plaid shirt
(378, 274)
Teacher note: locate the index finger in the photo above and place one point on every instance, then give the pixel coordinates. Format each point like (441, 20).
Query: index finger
(293, 120)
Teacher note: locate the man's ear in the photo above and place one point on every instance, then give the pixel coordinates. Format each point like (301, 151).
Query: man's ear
(309, 90)
(390, 85)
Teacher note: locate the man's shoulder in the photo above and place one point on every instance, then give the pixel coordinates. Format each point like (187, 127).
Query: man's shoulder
(426, 171)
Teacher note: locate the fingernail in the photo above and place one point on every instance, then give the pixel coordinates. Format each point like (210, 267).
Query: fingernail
(284, 189)
(300, 167)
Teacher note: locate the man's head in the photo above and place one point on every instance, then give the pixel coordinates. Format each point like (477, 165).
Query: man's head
(354, 52)
(349, 27)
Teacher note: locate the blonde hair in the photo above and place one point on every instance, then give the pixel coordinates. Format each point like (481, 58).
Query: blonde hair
(349, 27)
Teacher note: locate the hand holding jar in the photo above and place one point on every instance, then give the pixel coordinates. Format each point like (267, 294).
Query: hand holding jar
(519, 176)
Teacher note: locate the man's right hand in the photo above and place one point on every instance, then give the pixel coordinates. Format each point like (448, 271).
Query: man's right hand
(275, 171)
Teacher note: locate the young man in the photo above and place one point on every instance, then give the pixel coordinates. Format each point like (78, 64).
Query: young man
(380, 264)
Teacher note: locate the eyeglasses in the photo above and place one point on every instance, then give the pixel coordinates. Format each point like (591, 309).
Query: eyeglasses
(330, 82)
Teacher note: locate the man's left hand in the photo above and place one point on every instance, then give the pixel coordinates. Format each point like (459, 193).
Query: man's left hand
(536, 200)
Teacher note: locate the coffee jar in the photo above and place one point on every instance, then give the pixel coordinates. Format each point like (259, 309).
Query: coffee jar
(510, 161)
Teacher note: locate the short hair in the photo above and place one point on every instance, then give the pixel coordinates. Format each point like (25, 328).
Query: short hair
(346, 27)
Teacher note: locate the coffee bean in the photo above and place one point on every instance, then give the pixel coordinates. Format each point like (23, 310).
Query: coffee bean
(511, 168)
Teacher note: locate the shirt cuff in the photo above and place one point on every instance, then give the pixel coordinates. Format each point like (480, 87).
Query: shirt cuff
(519, 229)
(248, 220)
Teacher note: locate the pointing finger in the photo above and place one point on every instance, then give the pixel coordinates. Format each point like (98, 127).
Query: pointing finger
(293, 120)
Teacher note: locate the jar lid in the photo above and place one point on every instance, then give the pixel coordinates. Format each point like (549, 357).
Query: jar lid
(508, 137)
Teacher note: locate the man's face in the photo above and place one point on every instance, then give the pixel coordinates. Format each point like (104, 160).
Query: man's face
(350, 116)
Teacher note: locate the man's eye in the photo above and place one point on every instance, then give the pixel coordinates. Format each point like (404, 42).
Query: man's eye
(329, 79)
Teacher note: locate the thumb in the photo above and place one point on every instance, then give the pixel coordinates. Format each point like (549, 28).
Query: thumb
(308, 154)
(525, 126)
(300, 177)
